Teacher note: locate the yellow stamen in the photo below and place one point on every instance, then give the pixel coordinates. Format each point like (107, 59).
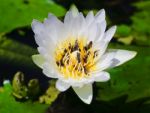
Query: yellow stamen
(75, 58)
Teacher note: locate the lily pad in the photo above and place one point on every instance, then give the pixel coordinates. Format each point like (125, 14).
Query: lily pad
(19, 13)
(9, 105)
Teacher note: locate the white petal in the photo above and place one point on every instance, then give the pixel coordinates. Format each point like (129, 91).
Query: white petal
(39, 31)
(38, 60)
(85, 93)
(101, 30)
(109, 33)
(37, 26)
(100, 16)
(49, 70)
(51, 21)
(53, 27)
(92, 31)
(49, 31)
(74, 10)
(78, 25)
(102, 77)
(39, 40)
(62, 86)
(89, 18)
(47, 52)
(70, 15)
(105, 61)
(42, 50)
(114, 58)
(121, 56)
(101, 46)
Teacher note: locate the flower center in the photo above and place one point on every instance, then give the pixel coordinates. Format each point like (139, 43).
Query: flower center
(75, 58)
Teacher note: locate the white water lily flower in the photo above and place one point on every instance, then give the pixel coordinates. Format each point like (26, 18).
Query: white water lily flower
(74, 51)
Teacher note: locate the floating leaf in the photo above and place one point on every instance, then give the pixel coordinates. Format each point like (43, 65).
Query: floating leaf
(126, 40)
(139, 28)
(140, 25)
(123, 30)
(9, 105)
(19, 13)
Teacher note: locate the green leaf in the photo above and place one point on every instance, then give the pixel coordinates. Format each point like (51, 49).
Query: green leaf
(139, 28)
(9, 105)
(141, 24)
(123, 31)
(19, 13)
(126, 40)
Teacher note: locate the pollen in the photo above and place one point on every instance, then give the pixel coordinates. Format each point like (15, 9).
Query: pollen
(76, 58)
